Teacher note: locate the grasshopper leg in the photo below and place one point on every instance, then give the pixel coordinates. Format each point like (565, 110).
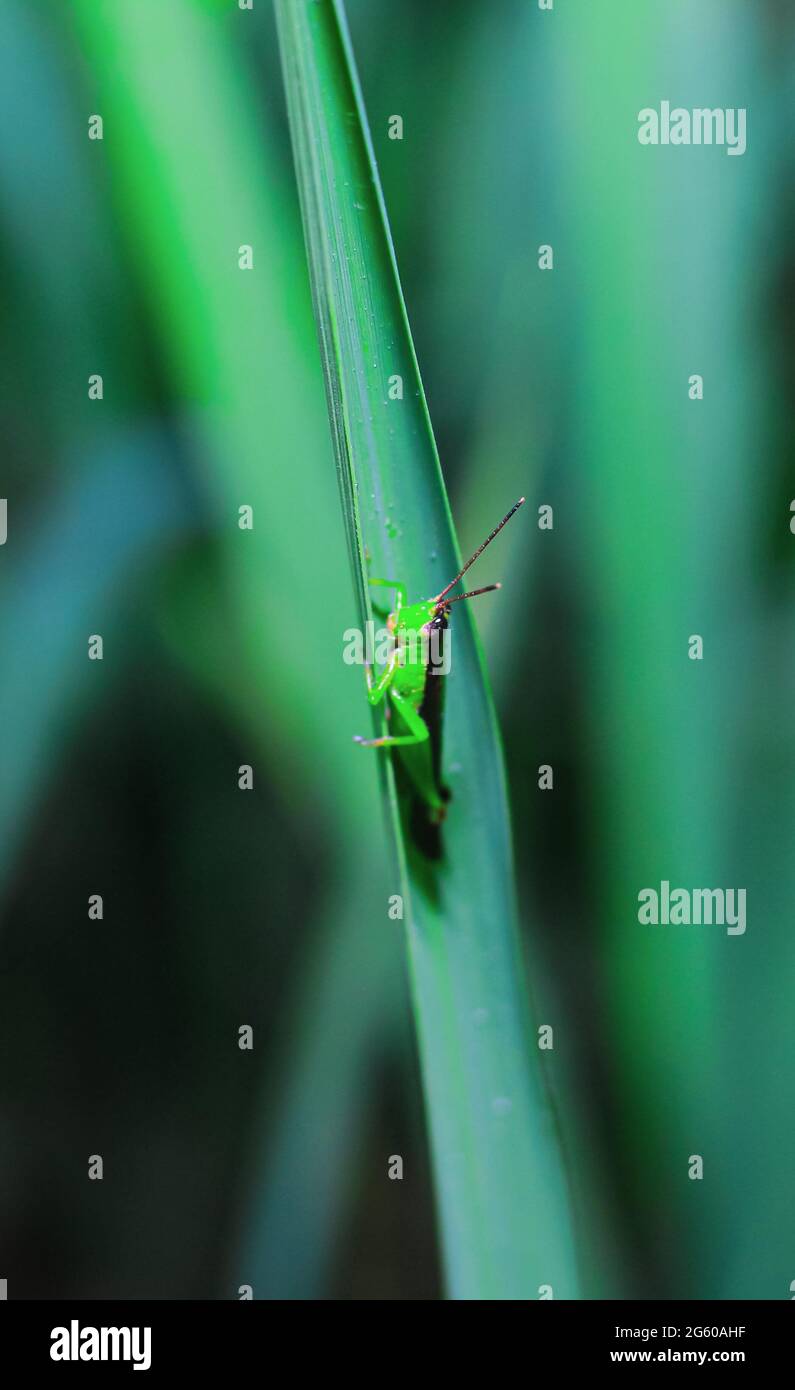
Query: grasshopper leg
(400, 592)
(418, 729)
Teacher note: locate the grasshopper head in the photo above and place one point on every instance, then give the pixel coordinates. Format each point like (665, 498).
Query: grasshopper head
(415, 617)
(418, 630)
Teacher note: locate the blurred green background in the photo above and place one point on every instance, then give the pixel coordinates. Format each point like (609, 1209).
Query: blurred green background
(222, 647)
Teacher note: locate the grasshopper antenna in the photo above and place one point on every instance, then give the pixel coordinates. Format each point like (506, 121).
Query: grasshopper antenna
(473, 593)
(478, 552)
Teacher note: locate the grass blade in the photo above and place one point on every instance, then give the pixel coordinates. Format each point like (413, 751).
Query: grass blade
(500, 1183)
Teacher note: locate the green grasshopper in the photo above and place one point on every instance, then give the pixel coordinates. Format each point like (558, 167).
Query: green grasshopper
(415, 702)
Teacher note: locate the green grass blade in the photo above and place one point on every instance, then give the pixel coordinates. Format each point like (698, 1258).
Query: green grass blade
(501, 1188)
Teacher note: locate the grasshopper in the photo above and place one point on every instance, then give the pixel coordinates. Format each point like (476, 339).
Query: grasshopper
(415, 702)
